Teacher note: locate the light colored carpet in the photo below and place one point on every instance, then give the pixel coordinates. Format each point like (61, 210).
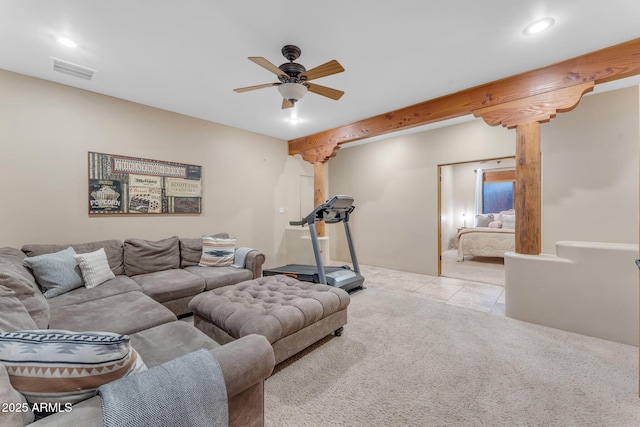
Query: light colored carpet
(407, 361)
(476, 269)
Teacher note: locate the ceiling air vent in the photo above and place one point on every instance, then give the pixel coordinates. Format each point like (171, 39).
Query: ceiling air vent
(72, 69)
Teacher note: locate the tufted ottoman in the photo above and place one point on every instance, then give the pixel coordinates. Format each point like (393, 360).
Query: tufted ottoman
(290, 313)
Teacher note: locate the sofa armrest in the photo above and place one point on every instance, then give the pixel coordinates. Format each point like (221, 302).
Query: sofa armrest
(245, 362)
(254, 261)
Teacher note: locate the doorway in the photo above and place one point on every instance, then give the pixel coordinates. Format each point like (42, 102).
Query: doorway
(457, 189)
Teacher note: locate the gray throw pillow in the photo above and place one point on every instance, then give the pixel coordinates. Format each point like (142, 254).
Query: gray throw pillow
(56, 273)
(483, 220)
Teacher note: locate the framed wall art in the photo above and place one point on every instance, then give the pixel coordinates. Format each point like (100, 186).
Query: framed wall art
(131, 185)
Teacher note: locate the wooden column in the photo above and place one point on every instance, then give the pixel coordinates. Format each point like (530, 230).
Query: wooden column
(318, 192)
(528, 194)
(526, 115)
(319, 156)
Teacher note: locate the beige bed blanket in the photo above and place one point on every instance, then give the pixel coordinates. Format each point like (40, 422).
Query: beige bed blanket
(484, 241)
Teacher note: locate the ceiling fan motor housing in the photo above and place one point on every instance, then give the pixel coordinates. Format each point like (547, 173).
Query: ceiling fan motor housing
(293, 70)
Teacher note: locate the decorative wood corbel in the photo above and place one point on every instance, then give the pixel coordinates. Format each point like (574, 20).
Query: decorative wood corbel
(537, 108)
(320, 154)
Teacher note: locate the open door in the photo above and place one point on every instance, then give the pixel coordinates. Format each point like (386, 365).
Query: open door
(457, 187)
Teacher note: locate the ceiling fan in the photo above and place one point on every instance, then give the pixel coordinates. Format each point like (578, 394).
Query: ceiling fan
(294, 78)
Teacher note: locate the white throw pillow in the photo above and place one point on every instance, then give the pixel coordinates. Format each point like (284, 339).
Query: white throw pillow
(95, 268)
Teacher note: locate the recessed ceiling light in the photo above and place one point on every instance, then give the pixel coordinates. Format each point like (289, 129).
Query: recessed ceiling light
(66, 42)
(538, 26)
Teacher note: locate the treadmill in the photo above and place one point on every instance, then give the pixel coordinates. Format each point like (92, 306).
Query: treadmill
(337, 209)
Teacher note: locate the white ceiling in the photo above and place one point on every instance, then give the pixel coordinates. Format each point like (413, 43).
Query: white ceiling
(187, 56)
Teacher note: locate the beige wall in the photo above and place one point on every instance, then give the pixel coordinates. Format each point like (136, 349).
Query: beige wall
(46, 130)
(590, 181)
(590, 171)
(394, 183)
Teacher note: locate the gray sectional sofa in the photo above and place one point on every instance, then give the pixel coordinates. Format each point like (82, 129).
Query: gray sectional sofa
(153, 284)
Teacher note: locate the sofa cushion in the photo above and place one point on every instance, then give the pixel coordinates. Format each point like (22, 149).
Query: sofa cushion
(15, 276)
(217, 252)
(170, 285)
(115, 286)
(56, 273)
(113, 249)
(59, 366)
(14, 314)
(135, 312)
(94, 267)
(220, 276)
(145, 256)
(8, 396)
(166, 342)
(191, 249)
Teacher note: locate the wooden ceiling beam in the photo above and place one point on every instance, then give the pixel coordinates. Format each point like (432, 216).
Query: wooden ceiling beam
(612, 63)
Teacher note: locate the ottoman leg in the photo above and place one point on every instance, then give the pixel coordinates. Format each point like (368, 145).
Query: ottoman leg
(338, 332)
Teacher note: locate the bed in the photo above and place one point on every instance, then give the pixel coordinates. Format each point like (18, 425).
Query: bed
(485, 241)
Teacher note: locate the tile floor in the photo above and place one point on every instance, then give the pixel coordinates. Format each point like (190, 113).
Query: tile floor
(478, 296)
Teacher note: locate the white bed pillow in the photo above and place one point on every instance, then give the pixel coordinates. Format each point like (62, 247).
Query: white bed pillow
(509, 222)
(483, 220)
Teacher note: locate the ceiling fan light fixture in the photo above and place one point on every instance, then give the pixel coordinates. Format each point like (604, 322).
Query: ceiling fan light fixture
(293, 118)
(292, 92)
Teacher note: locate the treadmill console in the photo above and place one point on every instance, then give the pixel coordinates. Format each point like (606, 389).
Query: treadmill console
(335, 209)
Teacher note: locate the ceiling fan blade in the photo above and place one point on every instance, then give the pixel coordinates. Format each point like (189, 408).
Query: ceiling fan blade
(267, 65)
(286, 104)
(248, 88)
(325, 91)
(331, 67)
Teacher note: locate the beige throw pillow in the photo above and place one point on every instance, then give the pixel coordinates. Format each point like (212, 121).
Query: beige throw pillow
(217, 252)
(64, 367)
